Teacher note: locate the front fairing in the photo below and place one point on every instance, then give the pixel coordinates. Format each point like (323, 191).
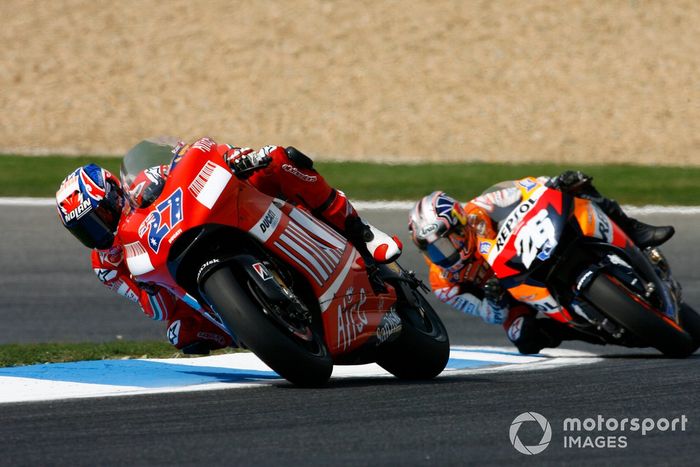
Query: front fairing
(529, 235)
(199, 190)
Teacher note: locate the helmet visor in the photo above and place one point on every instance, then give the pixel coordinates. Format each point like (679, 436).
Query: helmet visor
(92, 231)
(443, 253)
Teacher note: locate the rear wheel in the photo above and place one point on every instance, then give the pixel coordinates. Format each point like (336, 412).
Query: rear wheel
(690, 321)
(422, 349)
(289, 346)
(635, 314)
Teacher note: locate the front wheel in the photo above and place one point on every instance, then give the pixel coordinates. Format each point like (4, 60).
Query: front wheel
(423, 348)
(294, 349)
(635, 314)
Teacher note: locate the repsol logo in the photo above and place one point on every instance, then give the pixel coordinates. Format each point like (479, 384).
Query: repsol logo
(513, 219)
(268, 221)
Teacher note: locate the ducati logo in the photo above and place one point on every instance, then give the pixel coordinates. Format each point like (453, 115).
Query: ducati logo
(267, 221)
(267, 224)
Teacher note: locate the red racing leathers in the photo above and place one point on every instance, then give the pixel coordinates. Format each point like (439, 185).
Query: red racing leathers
(290, 177)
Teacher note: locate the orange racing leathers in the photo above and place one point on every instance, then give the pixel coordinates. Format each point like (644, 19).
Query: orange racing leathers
(464, 289)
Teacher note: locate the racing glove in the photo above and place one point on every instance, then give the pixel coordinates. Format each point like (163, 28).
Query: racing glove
(471, 304)
(244, 161)
(571, 181)
(493, 292)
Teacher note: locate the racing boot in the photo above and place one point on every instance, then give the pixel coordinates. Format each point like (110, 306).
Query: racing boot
(382, 247)
(643, 235)
(193, 334)
(530, 335)
(341, 214)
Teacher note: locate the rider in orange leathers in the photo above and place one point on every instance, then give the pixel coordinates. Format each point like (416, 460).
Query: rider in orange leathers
(445, 232)
(91, 201)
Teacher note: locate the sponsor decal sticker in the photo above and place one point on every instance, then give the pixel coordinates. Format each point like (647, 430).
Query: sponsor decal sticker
(427, 230)
(137, 259)
(515, 328)
(484, 248)
(267, 224)
(162, 220)
(390, 326)
(209, 183)
(514, 219)
(527, 183)
(80, 210)
(352, 319)
(106, 275)
(298, 173)
(204, 144)
(262, 271)
(174, 332)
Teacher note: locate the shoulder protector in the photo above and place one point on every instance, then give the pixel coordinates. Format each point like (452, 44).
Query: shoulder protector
(299, 159)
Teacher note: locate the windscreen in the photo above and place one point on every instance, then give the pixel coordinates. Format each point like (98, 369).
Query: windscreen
(146, 154)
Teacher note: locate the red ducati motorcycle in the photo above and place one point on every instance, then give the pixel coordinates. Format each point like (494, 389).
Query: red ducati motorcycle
(282, 283)
(566, 258)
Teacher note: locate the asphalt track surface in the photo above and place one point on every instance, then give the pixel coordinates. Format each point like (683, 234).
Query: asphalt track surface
(50, 294)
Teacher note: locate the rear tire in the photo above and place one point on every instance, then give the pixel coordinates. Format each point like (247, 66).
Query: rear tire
(632, 312)
(690, 321)
(304, 363)
(422, 349)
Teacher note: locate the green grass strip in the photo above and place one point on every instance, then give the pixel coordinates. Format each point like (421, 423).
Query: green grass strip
(636, 185)
(30, 354)
(40, 177)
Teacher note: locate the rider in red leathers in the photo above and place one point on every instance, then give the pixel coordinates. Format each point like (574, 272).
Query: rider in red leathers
(91, 201)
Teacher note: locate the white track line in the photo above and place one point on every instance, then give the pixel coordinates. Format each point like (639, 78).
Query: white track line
(27, 201)
(381, 205)
(633, 210)
(105, 378)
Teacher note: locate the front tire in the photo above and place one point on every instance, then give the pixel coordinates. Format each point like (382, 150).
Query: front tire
(304, 362)
(423, 348)
(633, 313)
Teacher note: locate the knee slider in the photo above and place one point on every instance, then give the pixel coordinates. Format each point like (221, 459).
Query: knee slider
(299, 159)
(528, 337)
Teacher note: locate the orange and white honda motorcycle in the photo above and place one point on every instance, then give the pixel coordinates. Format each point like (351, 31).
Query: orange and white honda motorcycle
(566, 258)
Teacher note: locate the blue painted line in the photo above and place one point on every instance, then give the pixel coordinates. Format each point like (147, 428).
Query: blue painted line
(138, 373)
(151, 374)
(462, 364)
(497, 352)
